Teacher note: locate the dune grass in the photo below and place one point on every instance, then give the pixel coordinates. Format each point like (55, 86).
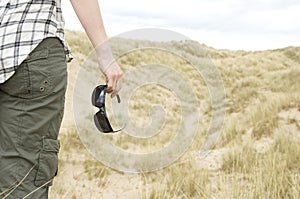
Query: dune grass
(259, 86)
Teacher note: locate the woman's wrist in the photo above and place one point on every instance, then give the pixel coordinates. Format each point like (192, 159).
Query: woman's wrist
(104, 55)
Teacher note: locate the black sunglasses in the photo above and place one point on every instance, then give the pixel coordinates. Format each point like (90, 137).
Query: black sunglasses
(100, 118)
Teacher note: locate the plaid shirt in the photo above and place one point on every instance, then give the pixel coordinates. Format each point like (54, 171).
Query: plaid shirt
(23, 25)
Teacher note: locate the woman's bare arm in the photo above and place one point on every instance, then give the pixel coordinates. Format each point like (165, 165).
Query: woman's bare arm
(89, 14)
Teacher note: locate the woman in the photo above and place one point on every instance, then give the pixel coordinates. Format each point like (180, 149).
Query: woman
(33, 80)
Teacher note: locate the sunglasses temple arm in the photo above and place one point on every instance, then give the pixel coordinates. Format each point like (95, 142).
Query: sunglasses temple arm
(123, 127)
(119, 99)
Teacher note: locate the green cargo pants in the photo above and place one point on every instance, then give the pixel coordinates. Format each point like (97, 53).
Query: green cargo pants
(31, 110)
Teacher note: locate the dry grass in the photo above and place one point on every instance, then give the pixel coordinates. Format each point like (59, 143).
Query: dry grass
(261, 158)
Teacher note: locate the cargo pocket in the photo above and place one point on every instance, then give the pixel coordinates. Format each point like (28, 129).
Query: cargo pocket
(48, 162)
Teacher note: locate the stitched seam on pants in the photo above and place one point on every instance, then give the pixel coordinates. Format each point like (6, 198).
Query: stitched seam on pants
(19, 141)
(27, 78)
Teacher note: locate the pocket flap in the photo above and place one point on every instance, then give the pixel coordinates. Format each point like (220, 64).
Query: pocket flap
(48, 162)
(36, 55)
(51, 145)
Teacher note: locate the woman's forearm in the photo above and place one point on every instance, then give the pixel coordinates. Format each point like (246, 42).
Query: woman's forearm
(89, 14)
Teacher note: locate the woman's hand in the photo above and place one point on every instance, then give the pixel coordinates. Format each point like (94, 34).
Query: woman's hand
(113, 75)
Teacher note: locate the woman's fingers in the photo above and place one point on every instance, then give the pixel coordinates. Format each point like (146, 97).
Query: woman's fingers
(113, 76)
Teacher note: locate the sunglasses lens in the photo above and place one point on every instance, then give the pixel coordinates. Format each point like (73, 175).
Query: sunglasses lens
(98, 96)
(102, 123)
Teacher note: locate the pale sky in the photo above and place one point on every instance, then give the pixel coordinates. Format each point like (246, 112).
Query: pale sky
(227, 24)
